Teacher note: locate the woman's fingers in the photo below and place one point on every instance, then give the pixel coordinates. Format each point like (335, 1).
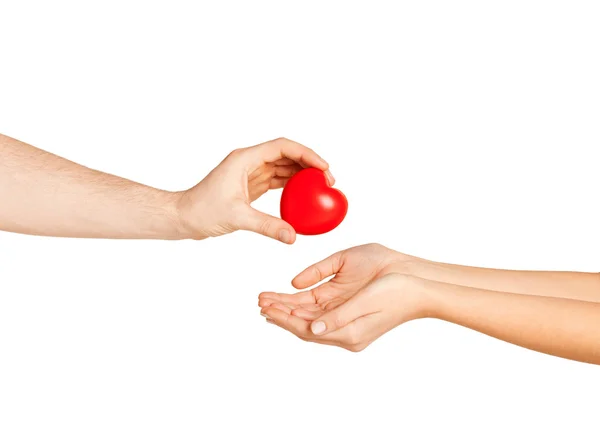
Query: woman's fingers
(301, 304)
(286, 308)
(294, 325)
(307, 314)
(362, 304)
(305, 297)
(355, 336)
(346, 337)
(321, 341)
(318, 271)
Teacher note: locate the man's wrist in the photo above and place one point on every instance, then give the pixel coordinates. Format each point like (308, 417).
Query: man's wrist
(187, 212)
(175, 227)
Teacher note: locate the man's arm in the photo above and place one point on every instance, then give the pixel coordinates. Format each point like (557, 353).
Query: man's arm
(43, 194)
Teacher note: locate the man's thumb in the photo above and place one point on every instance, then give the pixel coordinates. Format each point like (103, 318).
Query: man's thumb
(268, 225)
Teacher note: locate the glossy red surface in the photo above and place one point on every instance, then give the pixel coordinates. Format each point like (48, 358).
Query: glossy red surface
(310, 205)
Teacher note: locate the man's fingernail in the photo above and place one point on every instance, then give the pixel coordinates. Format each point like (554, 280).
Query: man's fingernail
(331, 178)
(284, 236)
(318, 327)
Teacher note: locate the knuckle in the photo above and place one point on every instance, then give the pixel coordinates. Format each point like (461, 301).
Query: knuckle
(337, 262)
(236, 153)
(339, 322)
(318, 273)
(265, 226)
(282, 142)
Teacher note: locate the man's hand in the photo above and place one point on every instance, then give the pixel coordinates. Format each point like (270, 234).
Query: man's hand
(221, 202)
(44, 194)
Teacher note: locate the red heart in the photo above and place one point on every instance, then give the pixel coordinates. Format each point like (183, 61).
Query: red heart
(310, 204)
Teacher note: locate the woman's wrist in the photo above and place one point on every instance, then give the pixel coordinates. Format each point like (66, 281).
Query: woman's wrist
(411, 265)
(415, 298)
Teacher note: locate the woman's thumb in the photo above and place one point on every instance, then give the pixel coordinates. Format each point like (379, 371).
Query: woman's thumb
(340, 316)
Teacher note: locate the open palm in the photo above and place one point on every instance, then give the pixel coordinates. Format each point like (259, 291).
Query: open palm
(353, 269)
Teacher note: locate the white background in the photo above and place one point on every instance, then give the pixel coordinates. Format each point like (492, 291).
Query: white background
(460, 131)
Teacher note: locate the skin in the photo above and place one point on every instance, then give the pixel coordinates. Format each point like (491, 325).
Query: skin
(375, 289)
(43, 194)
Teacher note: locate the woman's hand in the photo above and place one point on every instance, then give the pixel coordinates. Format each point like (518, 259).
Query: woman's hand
(355, 322)
(220, 203)
(353, 269)
(366, 283)
(376, 289)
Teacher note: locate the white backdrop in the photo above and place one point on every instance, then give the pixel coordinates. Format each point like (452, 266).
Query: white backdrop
(460, 131)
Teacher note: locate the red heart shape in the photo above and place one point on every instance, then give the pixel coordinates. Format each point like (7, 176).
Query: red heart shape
(310, 204)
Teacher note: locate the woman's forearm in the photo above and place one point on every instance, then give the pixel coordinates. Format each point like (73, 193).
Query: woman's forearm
(43, 194)
(557, 326)
(573, 285)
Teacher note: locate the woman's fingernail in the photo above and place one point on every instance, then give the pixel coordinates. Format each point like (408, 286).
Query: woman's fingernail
(318, 327)
(284, 236)
(264, 315)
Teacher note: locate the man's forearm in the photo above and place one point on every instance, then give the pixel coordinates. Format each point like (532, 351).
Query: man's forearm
(557, 326)
(43, 194)
(573, 285)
